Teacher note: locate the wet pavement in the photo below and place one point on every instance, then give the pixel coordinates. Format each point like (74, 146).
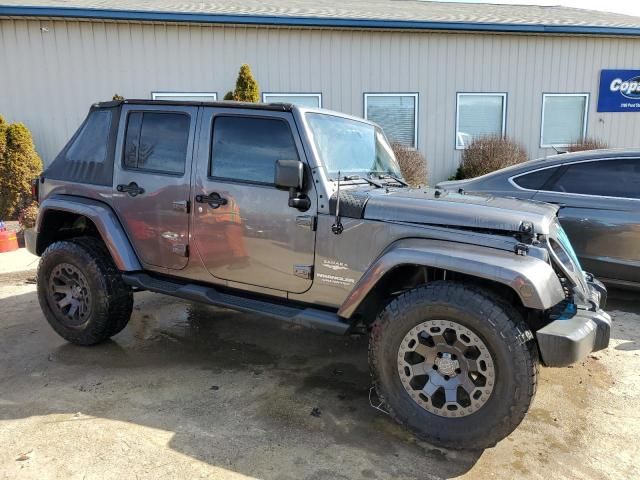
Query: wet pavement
(189, 391)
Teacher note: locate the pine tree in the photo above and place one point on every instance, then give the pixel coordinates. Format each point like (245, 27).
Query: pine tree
(246, 86)
(19, 164)
(3, 137)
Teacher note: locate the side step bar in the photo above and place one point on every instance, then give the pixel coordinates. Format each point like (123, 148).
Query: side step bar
(309, 317)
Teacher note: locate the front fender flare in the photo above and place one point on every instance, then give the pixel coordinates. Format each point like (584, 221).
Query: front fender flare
(103, 218)
(532, 279)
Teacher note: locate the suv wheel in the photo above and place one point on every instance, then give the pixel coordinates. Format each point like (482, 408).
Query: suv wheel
(454, 364)
(81, 291)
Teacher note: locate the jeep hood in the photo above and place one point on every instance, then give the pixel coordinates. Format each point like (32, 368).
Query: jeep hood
(435, 207)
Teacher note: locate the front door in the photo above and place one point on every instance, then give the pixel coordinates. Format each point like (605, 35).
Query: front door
(151, 181)
(244, 229)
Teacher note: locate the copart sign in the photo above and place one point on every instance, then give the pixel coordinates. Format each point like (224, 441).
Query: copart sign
(619, 91)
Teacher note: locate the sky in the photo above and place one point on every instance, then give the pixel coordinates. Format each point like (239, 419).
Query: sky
(629, 7)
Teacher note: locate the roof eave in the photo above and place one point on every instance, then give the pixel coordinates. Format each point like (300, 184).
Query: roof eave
(178, 17)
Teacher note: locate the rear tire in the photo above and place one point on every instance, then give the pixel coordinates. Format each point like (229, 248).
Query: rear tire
(474, 376)
(81, 292)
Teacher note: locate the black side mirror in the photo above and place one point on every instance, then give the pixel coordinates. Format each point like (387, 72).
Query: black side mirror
(289, 174)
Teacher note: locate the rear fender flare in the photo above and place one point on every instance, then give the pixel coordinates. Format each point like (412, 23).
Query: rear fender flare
(105, 220)
(532, 279)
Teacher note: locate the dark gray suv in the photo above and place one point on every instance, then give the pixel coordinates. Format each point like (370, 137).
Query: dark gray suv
(302, 214)
(598, 193)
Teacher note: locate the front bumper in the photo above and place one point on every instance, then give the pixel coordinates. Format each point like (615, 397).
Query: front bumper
(570, 339)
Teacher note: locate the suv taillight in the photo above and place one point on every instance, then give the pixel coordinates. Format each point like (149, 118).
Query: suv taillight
(35, 189)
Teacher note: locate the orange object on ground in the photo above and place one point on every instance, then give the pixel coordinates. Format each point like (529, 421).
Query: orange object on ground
(8, 241)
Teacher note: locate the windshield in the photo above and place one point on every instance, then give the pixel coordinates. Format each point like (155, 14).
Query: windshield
(351, 147)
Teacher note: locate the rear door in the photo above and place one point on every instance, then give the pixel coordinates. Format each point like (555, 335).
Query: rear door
(244, 229)
(600, 210)
(151, 181)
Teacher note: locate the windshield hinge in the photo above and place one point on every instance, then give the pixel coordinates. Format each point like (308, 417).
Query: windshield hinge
(521, 249)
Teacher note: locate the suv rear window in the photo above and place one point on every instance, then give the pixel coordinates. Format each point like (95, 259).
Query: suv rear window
(246, 148)
(156, 142)
(88, 157)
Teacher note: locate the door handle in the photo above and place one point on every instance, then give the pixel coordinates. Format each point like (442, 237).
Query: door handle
(132, 189)
(214, 200)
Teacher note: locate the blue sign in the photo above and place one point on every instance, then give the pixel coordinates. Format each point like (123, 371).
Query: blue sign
(619, 91)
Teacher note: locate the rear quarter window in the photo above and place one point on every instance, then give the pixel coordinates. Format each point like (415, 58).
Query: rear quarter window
(535, 180)
(88, 157)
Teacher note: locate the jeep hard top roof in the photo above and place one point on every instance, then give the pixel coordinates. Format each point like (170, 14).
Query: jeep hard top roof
(273, 107)
(279, 107)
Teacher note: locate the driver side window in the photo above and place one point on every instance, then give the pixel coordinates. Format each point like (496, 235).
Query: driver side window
(246, 148)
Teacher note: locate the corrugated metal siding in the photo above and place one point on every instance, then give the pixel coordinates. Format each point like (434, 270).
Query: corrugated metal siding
(51, 77)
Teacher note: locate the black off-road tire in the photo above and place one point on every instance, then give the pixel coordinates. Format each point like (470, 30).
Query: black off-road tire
(506, 336)
(111, 302)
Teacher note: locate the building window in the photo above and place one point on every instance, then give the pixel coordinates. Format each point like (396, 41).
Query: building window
(479, 115)
(396, 113)
(564, 119)
(185, 96)
(311, 100)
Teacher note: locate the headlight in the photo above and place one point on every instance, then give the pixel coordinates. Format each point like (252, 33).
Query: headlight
(566, 259)
(565, 245)
(562, 256)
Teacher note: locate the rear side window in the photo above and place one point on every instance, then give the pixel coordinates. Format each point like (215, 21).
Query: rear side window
(156, 142)
(246, 149)
(535, 180)
(611, 178)
(87, 158)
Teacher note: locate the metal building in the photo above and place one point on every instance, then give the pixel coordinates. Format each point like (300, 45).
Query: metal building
(435, 75)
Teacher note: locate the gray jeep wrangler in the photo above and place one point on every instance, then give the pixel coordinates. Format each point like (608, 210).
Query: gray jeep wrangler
(303, 215)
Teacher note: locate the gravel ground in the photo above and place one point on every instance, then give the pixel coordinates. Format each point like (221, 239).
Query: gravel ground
(187, 391)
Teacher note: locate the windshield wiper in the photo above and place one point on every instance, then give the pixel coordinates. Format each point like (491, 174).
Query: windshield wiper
(382, 176)
(358, 177)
